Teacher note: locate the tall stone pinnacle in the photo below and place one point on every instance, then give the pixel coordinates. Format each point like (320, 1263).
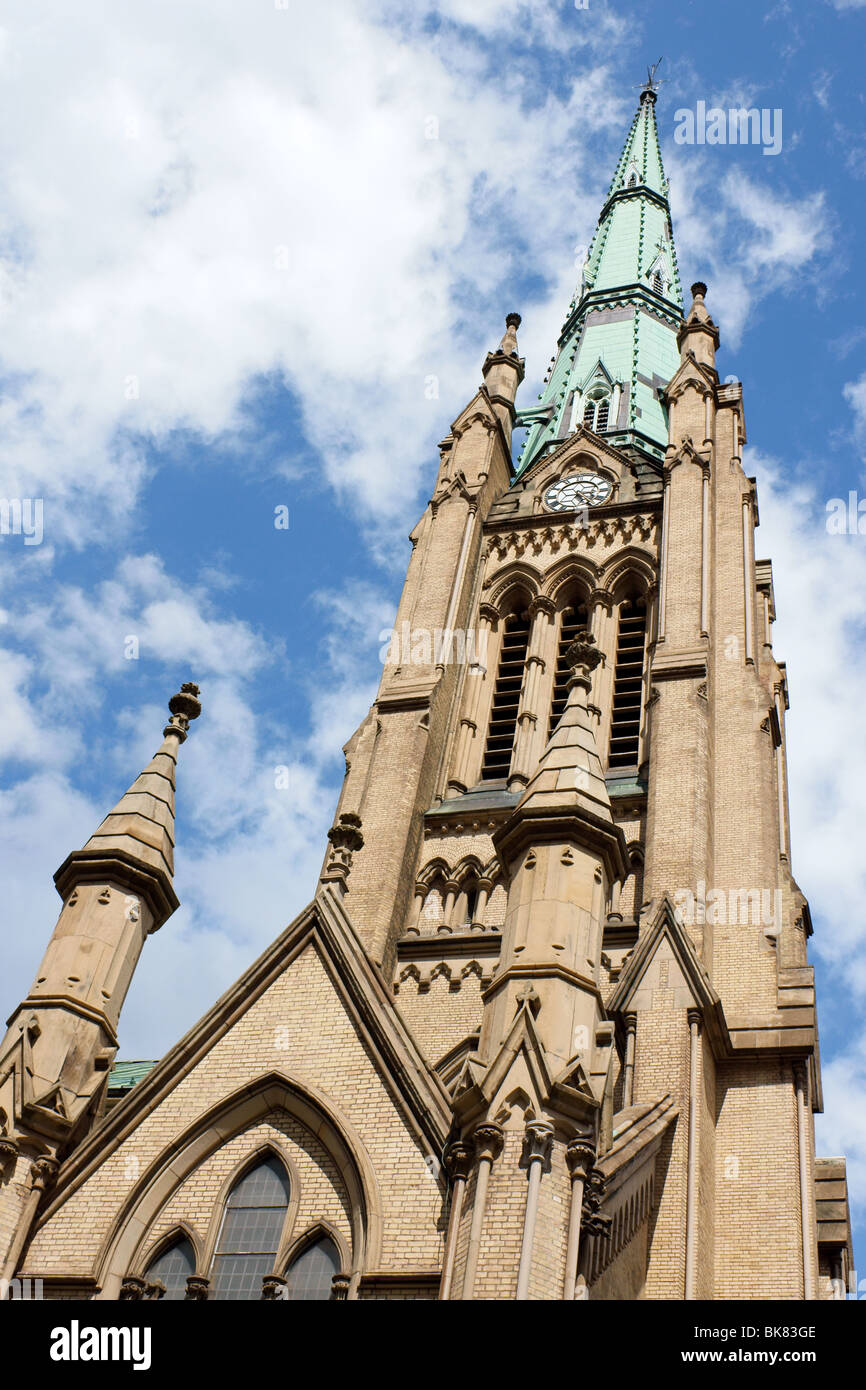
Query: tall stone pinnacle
(139, 831)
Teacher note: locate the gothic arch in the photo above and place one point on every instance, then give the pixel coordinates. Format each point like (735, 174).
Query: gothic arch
(575, 570)
(233, 1114)
(243, 1166)
(181, 1230)
(467, 869)
(631, 568)
(436, 868)
(516, 578)
(317, 1231)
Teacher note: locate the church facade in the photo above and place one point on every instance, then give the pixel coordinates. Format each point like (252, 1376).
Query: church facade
(547, 1029)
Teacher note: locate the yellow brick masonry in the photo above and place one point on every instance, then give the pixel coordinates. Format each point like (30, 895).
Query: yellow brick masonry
(329, 1056)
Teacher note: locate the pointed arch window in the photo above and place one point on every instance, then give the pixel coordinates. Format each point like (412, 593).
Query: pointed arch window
(574, 619)
(250, 1235)
(308, 1277)
(628, 685)
(502, 728)
(173, 1267)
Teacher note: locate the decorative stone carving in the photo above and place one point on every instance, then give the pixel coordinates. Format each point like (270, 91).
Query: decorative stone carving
(457, 1160)
(488, 1141)
(339, 1288)
(197, 1288)
(580, 1156)
(273, 1288)
(537, 1143)
(132, 1288)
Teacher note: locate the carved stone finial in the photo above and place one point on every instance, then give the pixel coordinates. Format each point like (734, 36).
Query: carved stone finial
(346, 838)
(185, 706)
(529, 998)
(509, 341)
(582, 655)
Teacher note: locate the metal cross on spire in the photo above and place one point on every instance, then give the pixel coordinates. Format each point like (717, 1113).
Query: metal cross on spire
(651, 84)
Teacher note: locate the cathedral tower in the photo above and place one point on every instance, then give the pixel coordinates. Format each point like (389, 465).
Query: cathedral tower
(547, 1028)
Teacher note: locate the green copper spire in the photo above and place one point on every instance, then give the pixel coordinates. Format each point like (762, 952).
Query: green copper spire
(618, 344)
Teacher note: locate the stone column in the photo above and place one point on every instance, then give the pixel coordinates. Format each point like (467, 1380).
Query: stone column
(538, 1144)
(580, 1157)
(694, 1018)
(628, 1080)
(806, 1185)
(488, 1146)
(485, 888)
(452, 892)
(458, 1161)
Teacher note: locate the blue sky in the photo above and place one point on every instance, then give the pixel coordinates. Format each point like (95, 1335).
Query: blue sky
(231, 258)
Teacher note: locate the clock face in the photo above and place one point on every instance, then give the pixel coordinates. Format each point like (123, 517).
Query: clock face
(578, 490)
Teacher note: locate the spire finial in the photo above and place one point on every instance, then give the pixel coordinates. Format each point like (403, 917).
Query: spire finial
(509, 341)
(651, 86)
(185, 706)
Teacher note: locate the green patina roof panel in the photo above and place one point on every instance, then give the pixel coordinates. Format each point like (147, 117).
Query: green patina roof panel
(626, 311)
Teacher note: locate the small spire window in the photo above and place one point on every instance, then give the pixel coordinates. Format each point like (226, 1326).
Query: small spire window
(658, 282)
(596, 411)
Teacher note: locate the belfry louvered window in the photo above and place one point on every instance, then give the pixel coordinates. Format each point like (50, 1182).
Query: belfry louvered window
(658, 282)
(595, 412)
(628, 686)
(573, 621)
(506, 698)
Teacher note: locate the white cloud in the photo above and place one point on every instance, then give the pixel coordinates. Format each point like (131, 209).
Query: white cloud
(265, 201)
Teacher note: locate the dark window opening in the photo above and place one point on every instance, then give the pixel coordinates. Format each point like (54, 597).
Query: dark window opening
(574, 620)
(506, 699)
(628, 686)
